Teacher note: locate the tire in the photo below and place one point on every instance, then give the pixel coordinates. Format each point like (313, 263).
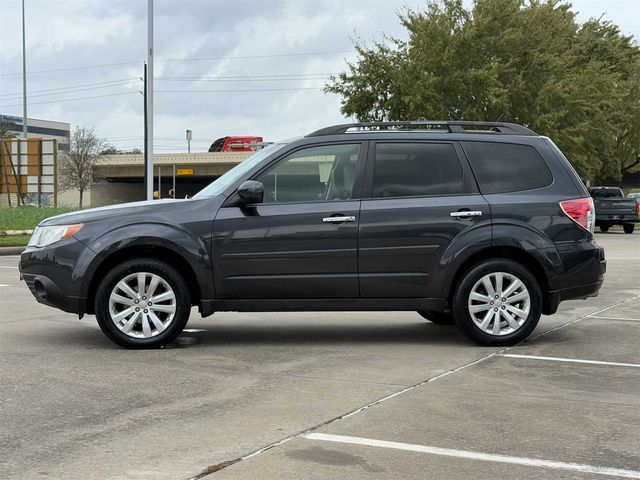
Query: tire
(171, 311)
(439, 318)
(524, 309)
(629, 227)
(604, 228)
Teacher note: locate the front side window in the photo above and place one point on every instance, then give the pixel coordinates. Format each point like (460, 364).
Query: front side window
(314, 174)
(415, 169)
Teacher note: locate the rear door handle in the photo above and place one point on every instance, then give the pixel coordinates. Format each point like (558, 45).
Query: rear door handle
(467, 213)
(342, 219)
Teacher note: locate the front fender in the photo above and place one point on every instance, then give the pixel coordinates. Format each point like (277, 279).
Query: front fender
(192, 248)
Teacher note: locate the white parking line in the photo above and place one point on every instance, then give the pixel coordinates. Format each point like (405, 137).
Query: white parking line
(486, 457)
(570, 360)
(3, 285)
(615, 318)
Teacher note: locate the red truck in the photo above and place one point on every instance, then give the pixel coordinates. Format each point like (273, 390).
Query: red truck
(235, 144)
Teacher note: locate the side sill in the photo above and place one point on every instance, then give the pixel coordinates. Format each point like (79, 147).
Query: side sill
(207, 307)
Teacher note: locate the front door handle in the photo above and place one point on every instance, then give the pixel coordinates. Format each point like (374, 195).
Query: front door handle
(341, 219)
(466, 213)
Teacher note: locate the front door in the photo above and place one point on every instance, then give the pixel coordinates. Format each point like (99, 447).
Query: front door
(418, 198)
(301, 242)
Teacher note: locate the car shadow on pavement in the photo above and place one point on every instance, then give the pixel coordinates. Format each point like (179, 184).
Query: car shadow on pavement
(290, 334)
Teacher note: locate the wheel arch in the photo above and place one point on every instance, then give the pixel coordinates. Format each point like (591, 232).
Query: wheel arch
(157, 252)
(521, 256)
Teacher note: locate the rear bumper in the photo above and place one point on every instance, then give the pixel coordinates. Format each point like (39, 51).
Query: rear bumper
(584, 271)
(616, 219)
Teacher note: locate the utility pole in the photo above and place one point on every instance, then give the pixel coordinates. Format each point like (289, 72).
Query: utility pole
(24, 77)
(189, 136)
(150, 53)
(146, 131)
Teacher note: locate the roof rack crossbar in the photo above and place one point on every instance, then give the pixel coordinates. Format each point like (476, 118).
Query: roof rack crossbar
(451, 126)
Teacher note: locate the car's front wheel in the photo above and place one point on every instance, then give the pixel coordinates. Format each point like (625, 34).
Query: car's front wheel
(142, 303)
(497, 302)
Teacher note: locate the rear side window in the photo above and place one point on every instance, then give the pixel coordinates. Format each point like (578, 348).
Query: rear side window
(410, 169)
(506, 167)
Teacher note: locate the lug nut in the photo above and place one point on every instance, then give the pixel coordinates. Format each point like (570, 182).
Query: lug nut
(135, 301)
(491, 303)
(497, 296)
(137, 309)
(144, 297)
(145, 310)
(495, 309)
(503, 307)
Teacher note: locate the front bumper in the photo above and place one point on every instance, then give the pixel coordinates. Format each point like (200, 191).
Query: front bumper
(55, 274)
(49, 293)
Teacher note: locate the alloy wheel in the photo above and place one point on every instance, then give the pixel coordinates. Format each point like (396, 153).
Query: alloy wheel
(499, 303)
(142, 305)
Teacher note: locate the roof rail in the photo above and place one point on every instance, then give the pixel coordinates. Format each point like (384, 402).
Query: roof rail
(451, 126)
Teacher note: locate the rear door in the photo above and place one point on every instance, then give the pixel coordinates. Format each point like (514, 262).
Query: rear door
(418, 198)
(301, 242)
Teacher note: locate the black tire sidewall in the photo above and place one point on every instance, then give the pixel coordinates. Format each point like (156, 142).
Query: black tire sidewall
(628, 227)
(167, 273)
(460, 298)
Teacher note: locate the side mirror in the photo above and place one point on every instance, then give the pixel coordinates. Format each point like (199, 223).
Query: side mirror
(250, 192)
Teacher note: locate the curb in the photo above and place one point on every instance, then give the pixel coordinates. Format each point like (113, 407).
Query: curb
(11, 250)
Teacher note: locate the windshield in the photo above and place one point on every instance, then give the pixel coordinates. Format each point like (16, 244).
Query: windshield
(220, 184)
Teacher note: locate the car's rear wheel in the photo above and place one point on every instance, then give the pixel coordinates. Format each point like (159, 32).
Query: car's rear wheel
(497, 302)
(604, 228)
(142, 303)
(439, 318)
(629, 227)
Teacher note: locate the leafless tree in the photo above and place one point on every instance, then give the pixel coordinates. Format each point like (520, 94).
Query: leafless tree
(6, 131)
(76, 168)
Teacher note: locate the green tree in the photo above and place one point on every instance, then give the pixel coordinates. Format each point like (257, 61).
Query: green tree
(508, 60)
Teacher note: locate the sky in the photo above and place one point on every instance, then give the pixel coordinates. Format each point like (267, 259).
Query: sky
(241, 67)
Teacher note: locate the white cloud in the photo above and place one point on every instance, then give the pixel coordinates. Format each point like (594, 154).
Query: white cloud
(68, 33)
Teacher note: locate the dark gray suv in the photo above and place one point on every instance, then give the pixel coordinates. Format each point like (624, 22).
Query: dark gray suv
(485, 225)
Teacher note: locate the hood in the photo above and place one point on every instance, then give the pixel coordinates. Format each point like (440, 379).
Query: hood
(93, 214)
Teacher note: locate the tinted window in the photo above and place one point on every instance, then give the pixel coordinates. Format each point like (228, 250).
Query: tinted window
(505, 167)
(407, 169)
(312, 174)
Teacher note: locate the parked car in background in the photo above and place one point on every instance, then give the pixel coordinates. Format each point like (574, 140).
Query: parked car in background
(613, 209)
(235, 144)
(483, 224)
(636, 197)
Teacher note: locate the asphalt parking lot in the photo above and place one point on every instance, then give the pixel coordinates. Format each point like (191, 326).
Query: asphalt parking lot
(325, 395)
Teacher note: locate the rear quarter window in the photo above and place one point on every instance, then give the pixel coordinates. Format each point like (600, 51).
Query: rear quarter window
(507, 167)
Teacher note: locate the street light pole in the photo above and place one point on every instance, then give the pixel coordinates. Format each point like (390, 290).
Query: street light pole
(24, 77)
(150, 52)
(189, 136)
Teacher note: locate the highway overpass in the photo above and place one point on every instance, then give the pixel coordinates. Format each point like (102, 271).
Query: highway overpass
(120, 178)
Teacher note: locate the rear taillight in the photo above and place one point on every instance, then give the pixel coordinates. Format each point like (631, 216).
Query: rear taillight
(581, 211)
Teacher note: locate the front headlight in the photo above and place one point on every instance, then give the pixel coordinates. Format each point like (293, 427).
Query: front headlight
(43, 236)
